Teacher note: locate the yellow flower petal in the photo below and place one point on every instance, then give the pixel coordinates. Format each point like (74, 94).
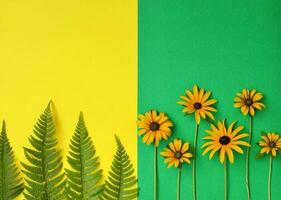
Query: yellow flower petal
(229, 130)
(186, 160)
(252, 93)
(154, 116)
(238, 100)
(241, 143)
(151, 138)
(190, 95)
(258, 105)
(184, 147)
(273, 152)
(210, 115)
(230, 155)
(222, 154)
(216, 148)
(206, 96)
(167, 160)
(167, 154)
(187, 155)
(237, 130)
(252, 111)
(210, 109)
(171, 163)
(195, 92)
(186, 99)
(208, 143)
(240, 95)
(200, 95)
(142, 131)
(257, 97)
(189, 109)
(245, 110)
(245, 93)
(237, 149)
(197, 117)
(167, 124)
(240, 136)
(202, 114)
(238, 105)
(172, 147)
(210, 102)
(265, 150)
(146, 137)
(177, 144)
(148, 116)
(209, 148)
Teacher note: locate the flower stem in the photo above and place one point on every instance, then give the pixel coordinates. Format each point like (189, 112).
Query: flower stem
(155, 173)
(194, 162)
(248, 157)
(225, 181)
(269, 178)
(179, 184)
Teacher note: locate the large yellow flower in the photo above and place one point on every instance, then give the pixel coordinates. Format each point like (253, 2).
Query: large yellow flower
(154, 127)
(224, 139)
(177, 153)
(270, 143)
(248, 101)
(198, 102)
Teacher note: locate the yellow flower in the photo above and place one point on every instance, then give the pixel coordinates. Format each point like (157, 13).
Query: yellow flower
(270, 143)
(154, 127)
(198, 102)
(248, 101)
(176, 153)
(224, 139)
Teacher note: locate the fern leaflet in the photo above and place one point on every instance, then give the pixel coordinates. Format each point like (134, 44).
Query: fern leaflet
(10, 181)
(43, 173)
(84, 176)
(121, 184)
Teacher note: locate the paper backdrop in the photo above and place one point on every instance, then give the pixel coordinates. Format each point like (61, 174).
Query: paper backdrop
(80, 54)
(222, 46)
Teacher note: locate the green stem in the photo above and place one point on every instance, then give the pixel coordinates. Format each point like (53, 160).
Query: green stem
(194, 162)
(155, 173)
(179, 184)
(248, 157)
(269, 178)
(225, 181)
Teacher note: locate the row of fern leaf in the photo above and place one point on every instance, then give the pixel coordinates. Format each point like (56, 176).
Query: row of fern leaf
(45, 177)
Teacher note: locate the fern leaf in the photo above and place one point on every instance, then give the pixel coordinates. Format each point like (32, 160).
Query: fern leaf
(43, 171)
(121, 183)
(84, 176)
(10, 181)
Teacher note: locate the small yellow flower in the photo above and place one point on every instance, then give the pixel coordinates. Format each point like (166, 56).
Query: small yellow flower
(154, 127)
(270, 143)
(224, 139)
(248, 101)
(198, 102)
(176, 153)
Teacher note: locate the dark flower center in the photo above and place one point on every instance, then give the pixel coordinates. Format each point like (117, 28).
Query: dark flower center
(271, 144)
(248, 102)
(154, 126)
(224, 140)
(177, 155)
(197, 105)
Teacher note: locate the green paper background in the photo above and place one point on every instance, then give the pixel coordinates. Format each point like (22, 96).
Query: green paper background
(222, 46)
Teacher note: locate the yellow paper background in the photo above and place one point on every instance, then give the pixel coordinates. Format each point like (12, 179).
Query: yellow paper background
(80, 54)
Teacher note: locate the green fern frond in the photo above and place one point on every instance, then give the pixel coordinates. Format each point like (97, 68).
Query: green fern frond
(11, 184)
(43, 172)
(84, 176)
(121, 183)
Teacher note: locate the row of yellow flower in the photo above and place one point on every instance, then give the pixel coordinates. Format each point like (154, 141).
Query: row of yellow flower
(221, 138)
